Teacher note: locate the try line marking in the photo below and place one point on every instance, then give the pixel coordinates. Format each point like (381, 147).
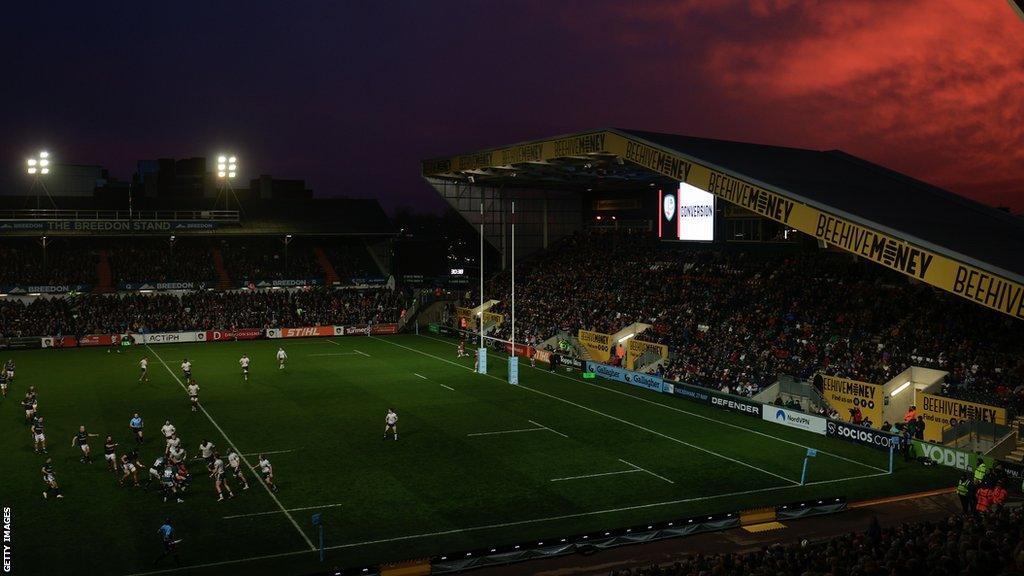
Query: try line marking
(353, 350)
(271, 452)
(609, 416)
(282, 511)
(232, 444)
(504, 525)
(442, 385)
(694, 414)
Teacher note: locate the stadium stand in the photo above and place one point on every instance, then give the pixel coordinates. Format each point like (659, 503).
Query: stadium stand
(988, 544)
(739, 318)
(202, 310)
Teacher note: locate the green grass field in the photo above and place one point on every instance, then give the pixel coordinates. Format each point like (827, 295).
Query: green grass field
(479, 462)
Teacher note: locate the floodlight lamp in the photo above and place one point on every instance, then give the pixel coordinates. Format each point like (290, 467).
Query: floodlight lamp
(232, 160)
(44, 154)
(31, 169)
(31, 161)
(220, 174)
(44, 171)
(44, 162)
(221, 159)
(231, 174)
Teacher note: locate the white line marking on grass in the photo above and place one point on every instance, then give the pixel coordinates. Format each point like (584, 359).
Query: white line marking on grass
(546, 428)
(272, 452)
(335, 354)
(281, 511)
(633, 471)
(448, 387)
(502, 525)
(506, 431)
(609, 416)
(639, 469)
(232, 444)
(420, 375)
(358, 352)
(694, 414)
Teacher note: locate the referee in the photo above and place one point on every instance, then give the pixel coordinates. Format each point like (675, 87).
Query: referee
(166, 532)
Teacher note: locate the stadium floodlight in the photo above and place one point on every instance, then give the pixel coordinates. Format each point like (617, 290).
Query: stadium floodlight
(227, 166)
(900, 388)
(39, 166)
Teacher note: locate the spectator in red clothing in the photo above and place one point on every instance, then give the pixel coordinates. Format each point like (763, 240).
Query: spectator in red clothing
(983, 499)
(911, 414)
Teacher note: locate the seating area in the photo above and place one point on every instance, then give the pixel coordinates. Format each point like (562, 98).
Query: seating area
(738, 318)
(990, 544)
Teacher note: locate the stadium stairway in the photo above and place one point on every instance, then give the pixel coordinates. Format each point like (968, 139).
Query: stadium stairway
(1018, 453)
(223, 280)
(330, 275)
(104, 277)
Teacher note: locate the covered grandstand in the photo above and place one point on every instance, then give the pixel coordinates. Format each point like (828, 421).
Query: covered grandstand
(843, 202)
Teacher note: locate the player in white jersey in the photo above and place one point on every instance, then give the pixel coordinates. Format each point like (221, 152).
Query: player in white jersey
(167, 429)
(193, 394)
(173, 441)
(220, 479)
(281, 357)
(156, 470)
(144, 369)
(267, 472)
(176, 454)
(244, 363)
(235, 463)
(206, 452)
(9, 370)
(462, 349)
(186, 369)
(390, 423)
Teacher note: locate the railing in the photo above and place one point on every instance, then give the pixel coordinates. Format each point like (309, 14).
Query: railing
(974, 435)
(55, 214)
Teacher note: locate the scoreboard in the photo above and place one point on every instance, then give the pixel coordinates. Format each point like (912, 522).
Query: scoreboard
(686, 213)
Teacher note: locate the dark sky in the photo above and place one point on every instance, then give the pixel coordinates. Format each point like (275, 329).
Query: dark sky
(351, 95)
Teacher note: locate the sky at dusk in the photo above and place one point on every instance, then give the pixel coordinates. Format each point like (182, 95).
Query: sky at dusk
(351, 95)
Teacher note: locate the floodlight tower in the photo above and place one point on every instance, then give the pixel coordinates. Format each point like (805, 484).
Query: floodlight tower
(227, 169)
(39, 167)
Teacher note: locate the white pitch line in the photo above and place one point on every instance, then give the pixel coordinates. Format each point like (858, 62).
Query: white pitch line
(335, 354)
(358, 352)
(546, 428)
(420, 375)
(639, 469)
(448, 387)
(633, 471)
(506, 431)
(609, 416)
(272, 452)
(504, 525)
(280, 511)
(694, 414)
(232, 444)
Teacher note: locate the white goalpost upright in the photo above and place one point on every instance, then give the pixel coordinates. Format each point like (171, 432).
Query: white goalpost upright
(481, 365)
(513, 359)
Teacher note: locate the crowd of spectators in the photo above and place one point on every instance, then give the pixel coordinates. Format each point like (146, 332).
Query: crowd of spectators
(350, 259)
(26, 263)
(990, 544)
(200, 310)
(738, 318)
(269, 259)
(160, 260)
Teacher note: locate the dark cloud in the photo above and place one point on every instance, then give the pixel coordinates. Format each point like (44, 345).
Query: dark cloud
(350, 95)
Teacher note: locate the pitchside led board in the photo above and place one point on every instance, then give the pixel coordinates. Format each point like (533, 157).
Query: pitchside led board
(687, 214)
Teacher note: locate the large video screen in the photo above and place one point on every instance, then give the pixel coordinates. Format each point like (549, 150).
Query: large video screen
(687, 213)
(696, 210)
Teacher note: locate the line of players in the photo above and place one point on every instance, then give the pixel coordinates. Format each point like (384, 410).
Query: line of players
(169, 469)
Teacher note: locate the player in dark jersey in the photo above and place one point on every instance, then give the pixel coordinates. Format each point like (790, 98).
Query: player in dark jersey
(38, 437)
(9, 370)
(130, 466)
(109, 453)
(28, 404)
(50, 480)
(82, 439)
